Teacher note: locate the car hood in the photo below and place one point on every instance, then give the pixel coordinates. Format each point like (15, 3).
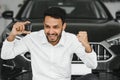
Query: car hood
(98, 30)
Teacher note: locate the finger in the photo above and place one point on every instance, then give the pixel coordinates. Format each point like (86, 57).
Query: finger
(18, 28)
(78, 35)
(26, 32)
(82, 32)
(21, 27)
(19, 32)
(26, 22)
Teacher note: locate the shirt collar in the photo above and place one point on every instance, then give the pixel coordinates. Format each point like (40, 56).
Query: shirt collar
(44, 39)
(62, 40)
(60, 43)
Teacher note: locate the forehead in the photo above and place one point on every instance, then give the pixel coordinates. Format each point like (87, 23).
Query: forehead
(51, 20)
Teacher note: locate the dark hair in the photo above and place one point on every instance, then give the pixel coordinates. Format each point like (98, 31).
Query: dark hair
(56, 12)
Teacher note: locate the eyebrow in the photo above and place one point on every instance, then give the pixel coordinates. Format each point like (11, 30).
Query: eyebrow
(53, 25)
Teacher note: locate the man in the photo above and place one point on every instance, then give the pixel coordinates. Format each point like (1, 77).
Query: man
(51, 49)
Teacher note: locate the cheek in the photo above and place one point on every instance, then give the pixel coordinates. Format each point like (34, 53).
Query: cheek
(46, 30)
(59, 32)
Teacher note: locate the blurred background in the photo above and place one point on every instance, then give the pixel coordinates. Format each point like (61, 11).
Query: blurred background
(113, 6)
(14, 5)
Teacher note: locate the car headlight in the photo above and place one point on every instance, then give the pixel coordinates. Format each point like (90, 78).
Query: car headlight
(115, 40)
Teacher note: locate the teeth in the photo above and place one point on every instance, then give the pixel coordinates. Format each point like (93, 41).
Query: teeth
(52, 35)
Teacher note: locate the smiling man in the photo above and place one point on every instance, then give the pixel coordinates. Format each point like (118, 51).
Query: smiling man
(52, 48)
(53, 29)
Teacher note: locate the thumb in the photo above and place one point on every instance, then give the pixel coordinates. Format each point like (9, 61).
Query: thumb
(27, 22)
(26, 32)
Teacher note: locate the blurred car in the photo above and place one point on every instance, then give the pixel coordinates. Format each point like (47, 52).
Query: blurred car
(82, 15)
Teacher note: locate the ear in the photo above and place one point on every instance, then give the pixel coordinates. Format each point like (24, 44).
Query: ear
(64, 26)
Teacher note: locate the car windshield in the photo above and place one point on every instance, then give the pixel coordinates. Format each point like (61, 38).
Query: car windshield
(79, 10)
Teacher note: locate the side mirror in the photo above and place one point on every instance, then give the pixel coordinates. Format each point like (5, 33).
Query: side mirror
(118, 15)
(7, 14)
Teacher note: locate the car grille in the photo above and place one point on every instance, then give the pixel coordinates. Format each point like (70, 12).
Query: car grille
(102, 53)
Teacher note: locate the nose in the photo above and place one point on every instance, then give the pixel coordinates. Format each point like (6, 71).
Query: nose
(51, 31)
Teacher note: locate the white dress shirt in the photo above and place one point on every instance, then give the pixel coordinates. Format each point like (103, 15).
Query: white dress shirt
(49, 62)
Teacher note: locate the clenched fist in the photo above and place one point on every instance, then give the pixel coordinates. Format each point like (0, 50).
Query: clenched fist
(83, 38)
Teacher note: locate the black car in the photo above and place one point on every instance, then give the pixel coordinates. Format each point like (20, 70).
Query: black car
(82, 15)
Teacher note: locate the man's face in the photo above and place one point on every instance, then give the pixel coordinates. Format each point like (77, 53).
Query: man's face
(53, 29)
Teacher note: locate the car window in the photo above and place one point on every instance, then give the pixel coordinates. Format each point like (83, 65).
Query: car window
(78, 10)
(100, 11)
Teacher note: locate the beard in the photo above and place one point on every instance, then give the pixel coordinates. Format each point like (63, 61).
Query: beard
(53, 38)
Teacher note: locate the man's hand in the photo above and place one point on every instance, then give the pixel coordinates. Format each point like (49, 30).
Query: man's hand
(83, 38)
(18, 28)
